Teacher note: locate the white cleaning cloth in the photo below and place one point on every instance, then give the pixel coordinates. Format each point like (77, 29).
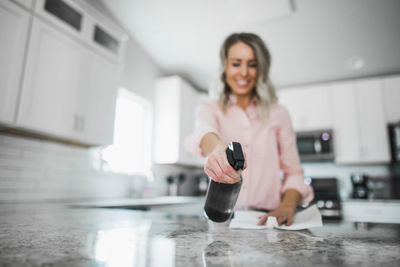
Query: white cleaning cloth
(248, 219)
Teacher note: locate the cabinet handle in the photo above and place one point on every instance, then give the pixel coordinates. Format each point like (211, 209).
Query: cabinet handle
(317, 146)
(82, 124)
(79, 123)
(76, 123)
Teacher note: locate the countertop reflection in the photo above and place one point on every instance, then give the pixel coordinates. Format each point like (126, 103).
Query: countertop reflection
(56, 234)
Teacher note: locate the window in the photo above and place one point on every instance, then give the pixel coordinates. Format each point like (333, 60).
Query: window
(131, 151)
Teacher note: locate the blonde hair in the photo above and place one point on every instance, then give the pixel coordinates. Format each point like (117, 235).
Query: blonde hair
(264, 90)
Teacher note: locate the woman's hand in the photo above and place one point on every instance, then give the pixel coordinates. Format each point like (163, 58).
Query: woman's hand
(218, 167)
(284, 215)
(285, 212)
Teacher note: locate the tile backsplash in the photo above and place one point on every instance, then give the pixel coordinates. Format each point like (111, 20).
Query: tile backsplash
(36, 170)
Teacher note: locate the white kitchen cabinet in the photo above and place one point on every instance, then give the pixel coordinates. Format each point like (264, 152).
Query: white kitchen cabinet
(377, 211)
(309, 107)
(51, 82)
(345, 120)
(26, 3)
(14, 23)
(175, 104)
(83, 22)
(99, 86)
(68, 91)
(359, 122)
(391, 92)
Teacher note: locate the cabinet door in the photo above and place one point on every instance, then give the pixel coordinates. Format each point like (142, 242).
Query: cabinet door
(359, 126)
(99, 87)
(50, 83)
(167, 109)
(391, 93)
(175, 104)
(345, 121)
(309, 107)
(14, 23)
(26, 3)
(374, 142)
(190, 99)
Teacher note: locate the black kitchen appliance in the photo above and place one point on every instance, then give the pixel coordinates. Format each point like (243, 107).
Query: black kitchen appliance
(315, 145)
(394, 136)
(360, 185)
(326, 197)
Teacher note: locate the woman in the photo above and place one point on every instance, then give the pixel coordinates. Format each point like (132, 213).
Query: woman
(247, 112)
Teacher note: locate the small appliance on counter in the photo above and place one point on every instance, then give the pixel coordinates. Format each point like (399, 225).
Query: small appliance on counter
(326, 197)
(360, 187)
(174, 184)
(373, 187)
(202, 184)
(315, 145)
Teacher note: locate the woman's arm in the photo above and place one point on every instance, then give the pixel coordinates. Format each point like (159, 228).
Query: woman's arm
(294, 190)
(209, 142)
(217, 165)
(285, 212)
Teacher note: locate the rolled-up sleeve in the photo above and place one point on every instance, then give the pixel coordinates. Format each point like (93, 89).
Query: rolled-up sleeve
(289, 159)
(205, 121)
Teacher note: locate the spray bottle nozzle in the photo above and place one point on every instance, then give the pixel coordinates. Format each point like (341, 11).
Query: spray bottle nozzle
(235, 155)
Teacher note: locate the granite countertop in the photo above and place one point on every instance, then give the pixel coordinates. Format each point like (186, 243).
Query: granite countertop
(60, 235)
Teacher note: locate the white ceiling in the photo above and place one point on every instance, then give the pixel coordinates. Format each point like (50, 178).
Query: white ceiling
(310, 40)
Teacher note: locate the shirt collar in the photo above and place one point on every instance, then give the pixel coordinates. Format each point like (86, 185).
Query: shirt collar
(252, 109)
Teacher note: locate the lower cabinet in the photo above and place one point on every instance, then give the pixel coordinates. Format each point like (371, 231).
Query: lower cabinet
(68, 91)
(360, 134)
(377, 211)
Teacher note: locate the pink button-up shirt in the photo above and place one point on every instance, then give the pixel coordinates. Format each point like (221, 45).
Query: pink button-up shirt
(273, 164)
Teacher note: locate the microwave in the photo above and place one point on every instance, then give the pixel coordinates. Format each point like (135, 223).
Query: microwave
(315, 145)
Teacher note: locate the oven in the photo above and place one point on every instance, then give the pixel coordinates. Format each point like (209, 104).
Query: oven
(326, 197)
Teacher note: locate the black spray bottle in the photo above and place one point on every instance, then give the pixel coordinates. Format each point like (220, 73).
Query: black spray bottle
(221, 198)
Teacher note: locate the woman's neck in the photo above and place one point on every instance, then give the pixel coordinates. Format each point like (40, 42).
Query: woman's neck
(243, 101)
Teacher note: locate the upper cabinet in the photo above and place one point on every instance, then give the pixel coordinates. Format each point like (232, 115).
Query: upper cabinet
(355, 110)
(391, 93)
(86, 24)
(14, 23)
(50, 87)
(26, 3)
(71, 73)
(309, 106)
(175, 104)
(100, 92)
(360, 134)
